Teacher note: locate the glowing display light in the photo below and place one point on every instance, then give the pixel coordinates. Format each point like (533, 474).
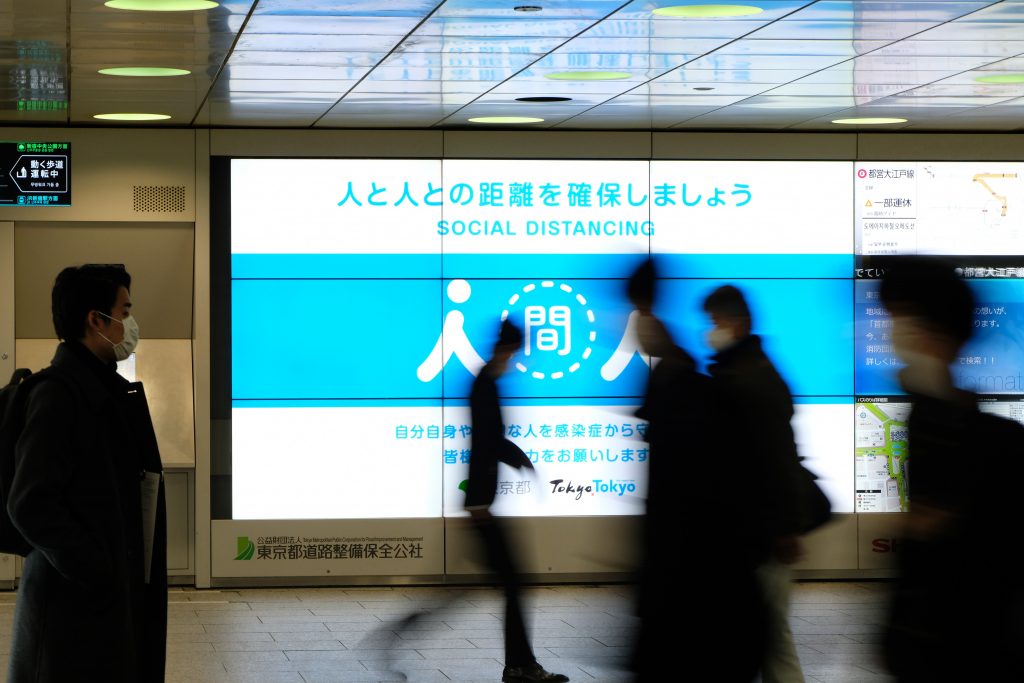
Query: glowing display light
(144, 71)
(132, 117)
(1001, 78)
(505, 119)
(707, 11)
(868, 121)
(161, 5)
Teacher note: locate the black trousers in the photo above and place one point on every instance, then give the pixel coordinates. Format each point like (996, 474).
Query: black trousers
(498, 554)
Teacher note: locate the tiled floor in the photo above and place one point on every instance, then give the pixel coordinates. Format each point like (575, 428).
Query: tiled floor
(321, 635)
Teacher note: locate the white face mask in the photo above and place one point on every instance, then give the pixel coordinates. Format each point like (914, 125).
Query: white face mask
(924, 373)
(720, 338)
(124, 348)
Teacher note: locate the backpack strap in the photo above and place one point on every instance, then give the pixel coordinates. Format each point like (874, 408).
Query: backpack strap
(18, 375)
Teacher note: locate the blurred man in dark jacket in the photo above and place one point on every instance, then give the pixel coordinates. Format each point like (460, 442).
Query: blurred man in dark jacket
(679, 553)
(957, 608)
(489, 447)
(753, 409)
(87, 495)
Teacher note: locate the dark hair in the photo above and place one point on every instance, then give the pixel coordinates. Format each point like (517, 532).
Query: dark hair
(929, 289)
(641, 286)
(509, 335)
(78, 290)
(727, 301)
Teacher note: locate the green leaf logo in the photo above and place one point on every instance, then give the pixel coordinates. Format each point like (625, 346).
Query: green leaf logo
(463, 485)
(246, 548)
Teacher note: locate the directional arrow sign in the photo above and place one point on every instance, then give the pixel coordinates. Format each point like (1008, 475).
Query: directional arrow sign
(47, 173)
(35, 173)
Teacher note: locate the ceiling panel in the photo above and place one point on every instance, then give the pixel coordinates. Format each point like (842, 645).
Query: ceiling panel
(949, 89)
(305, 24)
(436, 63)
(316, 42)
(837, 48)
(924, 45)
(488, 26)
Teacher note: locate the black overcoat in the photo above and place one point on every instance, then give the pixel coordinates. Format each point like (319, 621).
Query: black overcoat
(489, 445)
(753, 410)
(84, 611)
(693, 566)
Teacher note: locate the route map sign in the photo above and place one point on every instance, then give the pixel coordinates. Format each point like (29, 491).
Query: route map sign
(881, 454)
(35, 174)
(929, 208)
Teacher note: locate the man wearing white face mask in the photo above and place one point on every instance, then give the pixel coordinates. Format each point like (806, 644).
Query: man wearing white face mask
(672, 582)
(956, 607)
(753, 405)
(87, 496)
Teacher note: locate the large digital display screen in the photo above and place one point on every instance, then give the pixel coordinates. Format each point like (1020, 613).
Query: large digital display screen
(366, 298)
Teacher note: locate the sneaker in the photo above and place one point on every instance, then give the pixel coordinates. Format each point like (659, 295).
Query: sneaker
(530, 674)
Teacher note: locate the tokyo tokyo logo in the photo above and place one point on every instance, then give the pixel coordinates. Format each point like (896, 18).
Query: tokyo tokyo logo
(559, 334)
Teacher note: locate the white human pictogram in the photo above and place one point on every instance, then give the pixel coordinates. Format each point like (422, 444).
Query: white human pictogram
(628, 346)
(453, 339)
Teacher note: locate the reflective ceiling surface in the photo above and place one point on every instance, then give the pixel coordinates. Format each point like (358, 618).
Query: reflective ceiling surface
(601, 64)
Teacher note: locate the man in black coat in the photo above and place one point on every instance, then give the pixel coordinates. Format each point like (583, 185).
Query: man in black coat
(489, 447)
(753, 408)
(957, 606)
(678, 553)
(87, 495)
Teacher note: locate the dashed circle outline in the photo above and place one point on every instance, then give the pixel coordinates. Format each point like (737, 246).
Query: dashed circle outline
(581, 300)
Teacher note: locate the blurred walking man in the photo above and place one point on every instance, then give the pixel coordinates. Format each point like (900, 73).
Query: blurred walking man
(957, 608)
(753, 409)
(489, 447)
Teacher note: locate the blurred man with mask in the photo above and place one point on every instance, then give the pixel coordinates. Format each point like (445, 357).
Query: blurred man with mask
(956, 609)
(489, 447)
(87, 495)
(688, 566)
(753, 408)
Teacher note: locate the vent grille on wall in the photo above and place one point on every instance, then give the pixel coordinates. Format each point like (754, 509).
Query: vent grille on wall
(159, 198)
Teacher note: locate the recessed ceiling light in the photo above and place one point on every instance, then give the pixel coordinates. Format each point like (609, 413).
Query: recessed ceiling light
(543, 99)
(131, 117)
(528, 8)
(707, 11)
(868, 121)
(144, 71)
(1001, 78)
(702, 88)
(505, 119)
(588, 75)
(161, 5)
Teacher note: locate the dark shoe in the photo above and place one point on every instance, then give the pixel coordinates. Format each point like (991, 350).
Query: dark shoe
(530, 674)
